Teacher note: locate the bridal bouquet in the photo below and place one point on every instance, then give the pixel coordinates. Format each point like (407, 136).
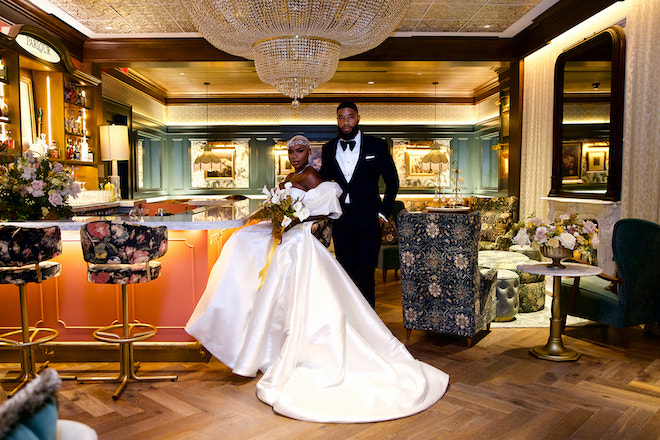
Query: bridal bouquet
(34, 188)
(567, 231)
(282, 209)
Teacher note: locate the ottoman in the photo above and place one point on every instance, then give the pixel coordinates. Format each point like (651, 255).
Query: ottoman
(532, 253)
(531, 290)
(507, 295)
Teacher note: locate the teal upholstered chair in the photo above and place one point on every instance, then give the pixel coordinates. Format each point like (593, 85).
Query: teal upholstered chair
(32, 413)
(388, 255)
(631, 299)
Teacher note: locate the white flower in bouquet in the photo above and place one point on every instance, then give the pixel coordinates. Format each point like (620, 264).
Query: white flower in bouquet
(522, 238)
(300, 212)
(286, 221)
(567, 240)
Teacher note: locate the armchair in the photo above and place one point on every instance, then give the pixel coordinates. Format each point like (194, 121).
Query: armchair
(498, 215)
(442, 288)
(32, 413)
(631, 299)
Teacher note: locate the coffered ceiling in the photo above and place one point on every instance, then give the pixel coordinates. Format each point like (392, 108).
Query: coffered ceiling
(171, 79)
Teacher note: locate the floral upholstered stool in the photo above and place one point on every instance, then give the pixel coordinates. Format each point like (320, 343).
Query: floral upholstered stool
(508, 301)
(123, 253)
(25, 257)
(531, 291)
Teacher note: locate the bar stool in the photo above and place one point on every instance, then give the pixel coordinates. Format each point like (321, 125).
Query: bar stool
(123, 253)
(23, 255)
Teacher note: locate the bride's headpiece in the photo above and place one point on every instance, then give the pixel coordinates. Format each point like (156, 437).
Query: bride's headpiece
(298, 140)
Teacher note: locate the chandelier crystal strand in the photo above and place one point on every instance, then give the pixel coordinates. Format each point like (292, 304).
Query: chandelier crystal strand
(296, 44)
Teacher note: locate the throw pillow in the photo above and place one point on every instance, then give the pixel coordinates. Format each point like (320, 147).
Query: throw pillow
(494, 224)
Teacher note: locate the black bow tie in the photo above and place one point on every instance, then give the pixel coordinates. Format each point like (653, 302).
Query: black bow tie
(350, 144)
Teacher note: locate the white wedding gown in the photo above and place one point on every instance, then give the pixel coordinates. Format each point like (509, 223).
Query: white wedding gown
(325, 354)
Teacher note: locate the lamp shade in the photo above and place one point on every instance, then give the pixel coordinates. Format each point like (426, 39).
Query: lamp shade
(114, 142)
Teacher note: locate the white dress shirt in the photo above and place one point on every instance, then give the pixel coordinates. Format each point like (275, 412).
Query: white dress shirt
(348, 159)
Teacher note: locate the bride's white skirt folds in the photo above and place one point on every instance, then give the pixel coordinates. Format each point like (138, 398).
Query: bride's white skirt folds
(325, 354)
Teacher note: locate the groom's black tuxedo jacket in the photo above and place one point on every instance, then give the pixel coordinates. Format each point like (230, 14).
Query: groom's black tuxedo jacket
(374, 161)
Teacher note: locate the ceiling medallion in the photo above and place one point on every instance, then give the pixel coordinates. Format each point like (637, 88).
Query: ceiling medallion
(296, 44)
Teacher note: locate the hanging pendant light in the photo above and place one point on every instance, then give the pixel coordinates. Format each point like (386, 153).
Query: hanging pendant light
(295, 44)
(206, 160)
(436, 156)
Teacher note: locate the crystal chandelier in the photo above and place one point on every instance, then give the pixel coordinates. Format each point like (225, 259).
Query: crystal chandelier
(295, 44)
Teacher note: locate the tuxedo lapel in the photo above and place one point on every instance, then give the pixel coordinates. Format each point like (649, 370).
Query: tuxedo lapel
(338, 172)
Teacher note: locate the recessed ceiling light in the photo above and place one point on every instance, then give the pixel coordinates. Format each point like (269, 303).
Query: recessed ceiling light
(419, 73)
(182, 73)
(109, 28)
(487, 26)
(370, 82)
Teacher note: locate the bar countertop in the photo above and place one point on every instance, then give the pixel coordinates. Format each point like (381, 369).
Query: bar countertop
(221, 214)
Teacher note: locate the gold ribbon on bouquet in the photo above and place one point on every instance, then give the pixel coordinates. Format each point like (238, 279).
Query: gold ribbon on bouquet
(264, 270)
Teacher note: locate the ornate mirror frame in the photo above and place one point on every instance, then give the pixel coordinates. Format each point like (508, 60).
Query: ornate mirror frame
(597, 176)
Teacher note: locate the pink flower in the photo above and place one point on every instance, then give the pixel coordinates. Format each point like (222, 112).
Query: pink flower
(589, 227)
(55, 199)
(37, 188)
(28, 173)
(540, 235)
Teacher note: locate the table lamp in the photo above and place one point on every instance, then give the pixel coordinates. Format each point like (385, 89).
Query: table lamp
(114, 147)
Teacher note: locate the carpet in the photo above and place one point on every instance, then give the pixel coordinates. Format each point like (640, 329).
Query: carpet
(538, 319)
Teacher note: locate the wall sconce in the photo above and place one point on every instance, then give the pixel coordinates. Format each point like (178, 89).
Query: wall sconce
(114, 147)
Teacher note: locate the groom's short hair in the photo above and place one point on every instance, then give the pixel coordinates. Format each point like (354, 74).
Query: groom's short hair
(348, 104)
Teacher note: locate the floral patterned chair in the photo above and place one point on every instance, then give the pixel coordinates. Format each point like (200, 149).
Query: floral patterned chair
(123, 253)
(23, 259)
(498, 215)
(442, 288)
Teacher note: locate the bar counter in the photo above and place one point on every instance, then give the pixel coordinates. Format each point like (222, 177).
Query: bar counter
(76, 307)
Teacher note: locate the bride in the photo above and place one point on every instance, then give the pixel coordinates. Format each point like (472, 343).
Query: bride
(325, 354)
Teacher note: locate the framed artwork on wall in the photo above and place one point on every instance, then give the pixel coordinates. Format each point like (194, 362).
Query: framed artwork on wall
(415, 164)
(284, 165)
(222, 164)
(596, 161)
(571, 160)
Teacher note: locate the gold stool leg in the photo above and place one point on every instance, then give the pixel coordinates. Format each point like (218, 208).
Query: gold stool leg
(127, 364)
(28, 371)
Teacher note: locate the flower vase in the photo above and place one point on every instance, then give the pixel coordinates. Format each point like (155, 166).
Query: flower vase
(556, 255)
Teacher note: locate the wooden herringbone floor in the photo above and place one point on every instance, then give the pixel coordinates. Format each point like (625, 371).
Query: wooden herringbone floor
(497, 390)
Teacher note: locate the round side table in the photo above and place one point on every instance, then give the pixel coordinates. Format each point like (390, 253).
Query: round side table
(554, 349)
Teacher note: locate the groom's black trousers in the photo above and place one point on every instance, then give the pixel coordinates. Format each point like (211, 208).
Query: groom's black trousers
(357, 240)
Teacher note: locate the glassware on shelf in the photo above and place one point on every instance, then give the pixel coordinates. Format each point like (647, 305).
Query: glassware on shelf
(455, 199)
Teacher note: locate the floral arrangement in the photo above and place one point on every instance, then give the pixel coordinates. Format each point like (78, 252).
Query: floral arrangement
(566, 231)
(282, 209)
(34, 188)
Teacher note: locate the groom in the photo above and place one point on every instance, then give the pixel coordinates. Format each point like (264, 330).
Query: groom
(357, 162)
